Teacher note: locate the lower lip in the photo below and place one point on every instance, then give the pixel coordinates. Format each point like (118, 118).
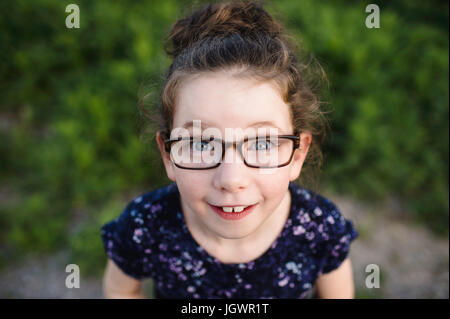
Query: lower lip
(233, 216)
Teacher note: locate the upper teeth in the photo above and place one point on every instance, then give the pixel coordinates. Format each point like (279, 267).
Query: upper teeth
(237, 209)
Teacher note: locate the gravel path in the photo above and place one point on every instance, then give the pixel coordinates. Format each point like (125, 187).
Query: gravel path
(413, 263)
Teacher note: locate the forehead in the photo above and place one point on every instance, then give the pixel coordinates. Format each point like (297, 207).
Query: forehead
(221, 101)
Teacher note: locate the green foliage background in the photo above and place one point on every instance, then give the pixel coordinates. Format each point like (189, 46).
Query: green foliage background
(71, 157)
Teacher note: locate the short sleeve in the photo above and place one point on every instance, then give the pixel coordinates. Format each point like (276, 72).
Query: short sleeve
(340, 233)
(122, 242)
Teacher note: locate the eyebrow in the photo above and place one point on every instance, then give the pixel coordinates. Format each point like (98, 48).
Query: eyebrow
(204, 124)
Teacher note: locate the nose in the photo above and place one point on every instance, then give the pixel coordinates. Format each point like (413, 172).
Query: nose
(231, 175)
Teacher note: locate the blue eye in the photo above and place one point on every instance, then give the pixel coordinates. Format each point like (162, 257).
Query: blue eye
(202, 146)
(262, 145)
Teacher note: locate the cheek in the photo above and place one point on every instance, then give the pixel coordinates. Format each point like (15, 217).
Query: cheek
(192, 184)
(273, 186)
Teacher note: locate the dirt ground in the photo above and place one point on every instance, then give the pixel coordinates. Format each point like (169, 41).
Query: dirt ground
(413, 263)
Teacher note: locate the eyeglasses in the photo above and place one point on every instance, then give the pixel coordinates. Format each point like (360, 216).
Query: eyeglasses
(259, 152)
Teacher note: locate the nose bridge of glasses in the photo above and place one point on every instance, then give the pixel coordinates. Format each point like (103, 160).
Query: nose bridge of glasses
(236, 145)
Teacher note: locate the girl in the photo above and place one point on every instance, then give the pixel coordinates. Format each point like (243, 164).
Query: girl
(233, 226)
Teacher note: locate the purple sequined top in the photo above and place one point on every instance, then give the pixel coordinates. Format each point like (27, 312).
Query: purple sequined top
(151, 240)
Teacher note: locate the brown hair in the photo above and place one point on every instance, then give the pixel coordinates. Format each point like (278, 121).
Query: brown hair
(242, 35)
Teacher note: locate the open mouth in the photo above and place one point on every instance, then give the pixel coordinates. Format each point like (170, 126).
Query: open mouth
(233, 212)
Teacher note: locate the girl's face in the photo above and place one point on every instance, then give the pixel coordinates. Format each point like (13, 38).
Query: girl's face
(220, 101)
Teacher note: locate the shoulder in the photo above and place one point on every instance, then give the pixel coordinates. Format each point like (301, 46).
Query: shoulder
(139, 215)
(317, 217)
(159, 196)
(129, 239)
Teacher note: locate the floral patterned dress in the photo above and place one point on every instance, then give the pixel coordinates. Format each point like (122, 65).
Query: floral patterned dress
(150, 239)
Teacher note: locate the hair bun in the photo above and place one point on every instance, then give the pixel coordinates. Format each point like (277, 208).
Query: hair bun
(218, 20)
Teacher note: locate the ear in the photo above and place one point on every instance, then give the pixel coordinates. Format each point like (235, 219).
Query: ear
(170, 169)
(300, 155)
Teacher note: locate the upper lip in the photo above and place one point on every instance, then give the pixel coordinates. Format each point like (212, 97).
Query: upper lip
(231, 205)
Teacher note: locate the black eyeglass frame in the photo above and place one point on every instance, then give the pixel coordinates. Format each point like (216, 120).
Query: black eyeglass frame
(238, 144)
